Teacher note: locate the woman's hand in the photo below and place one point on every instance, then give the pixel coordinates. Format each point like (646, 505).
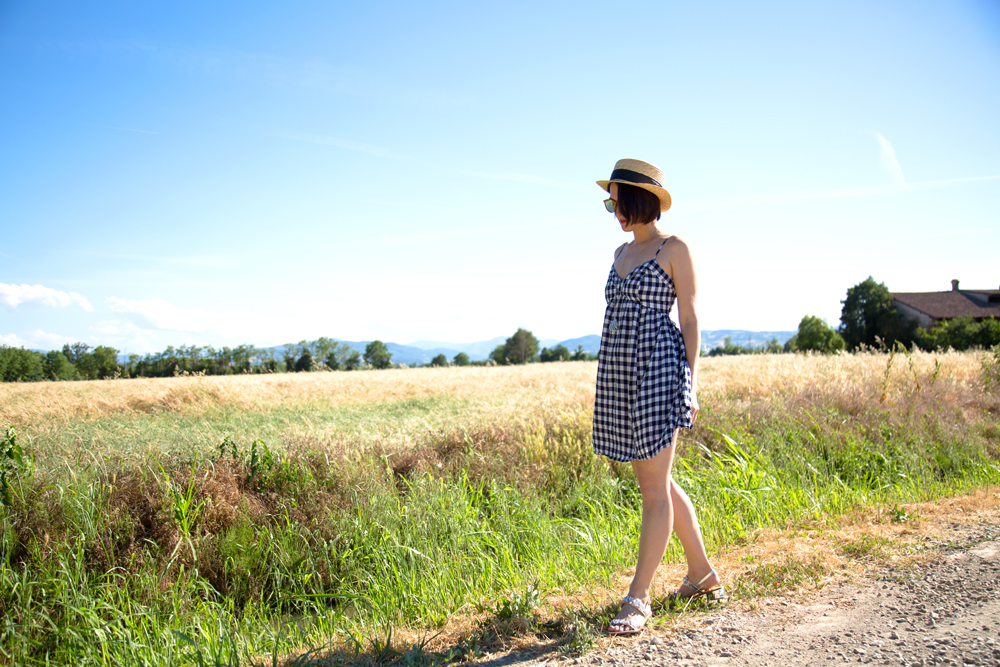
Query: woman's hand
(694, 406)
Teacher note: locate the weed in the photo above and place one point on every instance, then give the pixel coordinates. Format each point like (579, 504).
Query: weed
(579, 636)
(866, 547)
(518, 606)
(899, 514)
(772, 578)
(991, 368)
(11, 464)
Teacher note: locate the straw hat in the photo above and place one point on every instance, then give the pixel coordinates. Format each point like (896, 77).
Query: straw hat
(642, 175)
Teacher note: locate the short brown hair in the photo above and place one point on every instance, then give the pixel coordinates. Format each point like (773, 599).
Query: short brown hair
(639, 206)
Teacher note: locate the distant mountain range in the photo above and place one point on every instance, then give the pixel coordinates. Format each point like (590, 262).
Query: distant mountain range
(717, 337)
(422, 351)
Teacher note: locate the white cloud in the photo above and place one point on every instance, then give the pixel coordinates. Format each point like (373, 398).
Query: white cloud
(127, 337)
(164, 315)
(36, 340)
(37, 295)
(12, 340)
(890, 165)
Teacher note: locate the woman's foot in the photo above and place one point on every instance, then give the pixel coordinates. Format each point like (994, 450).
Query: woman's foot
(708, 587)
(631, 620)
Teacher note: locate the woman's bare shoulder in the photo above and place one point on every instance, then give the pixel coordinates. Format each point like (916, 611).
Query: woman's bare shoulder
(676, 244)
(675, 249)
(619, 249)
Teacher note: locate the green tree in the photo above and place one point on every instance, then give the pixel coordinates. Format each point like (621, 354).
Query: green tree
(377, 355)
(868, 314)
(499, 355)
(305, 361)
(580, 354)
(75, 351)
(290, 358)
(557, 353)
(350, 358)
(20, 365)
(439, 360)
(55, 366)
(105, 361)
(774, 347)
(322, 348)
(521, 348)
(815, 334)
(331, 361)
(461, 359)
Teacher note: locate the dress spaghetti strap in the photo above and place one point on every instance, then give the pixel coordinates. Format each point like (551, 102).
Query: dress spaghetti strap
(661, 247)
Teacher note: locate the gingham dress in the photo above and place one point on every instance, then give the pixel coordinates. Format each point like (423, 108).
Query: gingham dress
(643, 377)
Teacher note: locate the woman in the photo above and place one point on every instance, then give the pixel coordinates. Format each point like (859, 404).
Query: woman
(647, 379)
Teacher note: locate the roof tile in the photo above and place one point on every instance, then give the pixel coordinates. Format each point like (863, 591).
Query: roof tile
(945, 305)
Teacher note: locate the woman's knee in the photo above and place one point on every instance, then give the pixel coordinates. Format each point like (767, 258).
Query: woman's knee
(654, 484)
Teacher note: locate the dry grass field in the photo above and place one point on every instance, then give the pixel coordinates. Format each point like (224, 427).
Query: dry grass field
(308, 405)
(214, 520)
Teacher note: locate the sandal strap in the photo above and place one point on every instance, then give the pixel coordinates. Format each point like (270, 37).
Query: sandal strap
(644, 608)
(704, 579)
(697, 586)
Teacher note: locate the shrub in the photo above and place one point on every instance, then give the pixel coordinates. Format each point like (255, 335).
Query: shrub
(961, 333)
(816, 335)
(557, 353)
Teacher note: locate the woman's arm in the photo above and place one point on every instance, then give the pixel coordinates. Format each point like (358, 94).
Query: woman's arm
(681, 269)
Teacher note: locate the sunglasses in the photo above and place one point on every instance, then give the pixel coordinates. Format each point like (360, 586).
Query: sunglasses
(610, 204)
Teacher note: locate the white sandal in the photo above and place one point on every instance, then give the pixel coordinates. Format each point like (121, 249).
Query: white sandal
(623, 626)
(715, 595)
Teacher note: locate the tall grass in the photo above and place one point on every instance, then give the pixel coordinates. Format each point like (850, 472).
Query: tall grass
(231, 520)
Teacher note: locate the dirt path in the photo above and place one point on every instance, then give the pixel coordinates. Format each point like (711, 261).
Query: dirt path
(943, 609)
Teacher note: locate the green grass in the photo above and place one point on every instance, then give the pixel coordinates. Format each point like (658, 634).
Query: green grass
(172, 433)
(242, 537)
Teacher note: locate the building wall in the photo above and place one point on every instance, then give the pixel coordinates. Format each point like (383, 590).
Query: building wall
(923, 319)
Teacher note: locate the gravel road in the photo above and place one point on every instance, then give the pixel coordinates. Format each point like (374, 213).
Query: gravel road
(944, 611)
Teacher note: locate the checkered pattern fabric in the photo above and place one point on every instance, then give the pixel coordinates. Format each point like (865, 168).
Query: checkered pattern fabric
(643, 377)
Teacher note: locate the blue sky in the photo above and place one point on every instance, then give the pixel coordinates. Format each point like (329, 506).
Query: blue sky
(223, 173)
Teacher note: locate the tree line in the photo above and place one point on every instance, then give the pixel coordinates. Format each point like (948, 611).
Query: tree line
(867, 320)
(79, 361)
(521, 348)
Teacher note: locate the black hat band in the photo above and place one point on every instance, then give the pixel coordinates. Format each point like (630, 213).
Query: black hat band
(630, 176)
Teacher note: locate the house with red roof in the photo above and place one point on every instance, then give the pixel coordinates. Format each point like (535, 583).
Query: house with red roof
(929, 308)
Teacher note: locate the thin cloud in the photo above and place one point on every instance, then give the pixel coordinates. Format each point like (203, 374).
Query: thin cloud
(322, 140)
(864, 191)
(165, 316)
(890, 165)
(526, 178)
(13, 296)
(12, 340)
(36, 340)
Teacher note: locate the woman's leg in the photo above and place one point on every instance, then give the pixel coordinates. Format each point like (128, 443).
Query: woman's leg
(653, 476)
(689, 533)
